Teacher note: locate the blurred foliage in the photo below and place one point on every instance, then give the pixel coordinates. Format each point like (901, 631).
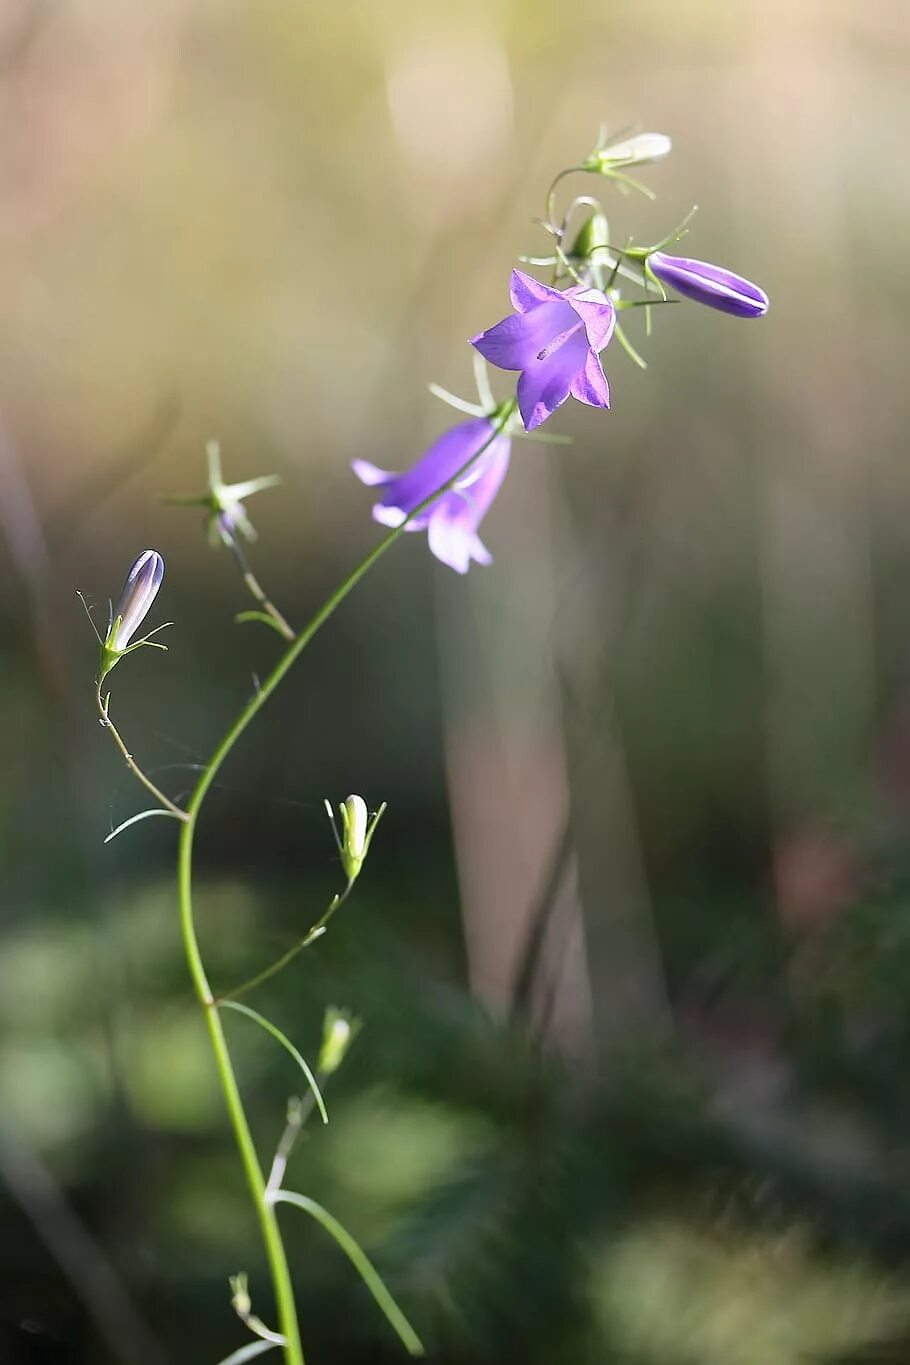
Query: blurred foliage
(274, 224)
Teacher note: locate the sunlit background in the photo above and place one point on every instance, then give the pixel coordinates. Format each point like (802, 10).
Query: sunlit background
(632, 948)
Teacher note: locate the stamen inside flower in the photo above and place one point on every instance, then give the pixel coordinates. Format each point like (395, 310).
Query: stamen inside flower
(558, 341)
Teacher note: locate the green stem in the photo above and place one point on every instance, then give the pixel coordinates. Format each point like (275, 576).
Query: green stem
(280, 963)
(271, 1234)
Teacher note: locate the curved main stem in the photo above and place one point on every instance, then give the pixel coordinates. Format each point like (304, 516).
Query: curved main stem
(271, 1233)
(268, 1222)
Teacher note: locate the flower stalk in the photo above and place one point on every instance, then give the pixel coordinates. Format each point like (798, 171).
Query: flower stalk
(103, 703)
(263, 1200)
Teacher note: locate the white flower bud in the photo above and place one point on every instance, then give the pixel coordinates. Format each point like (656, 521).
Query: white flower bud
(357, 828)
(635, 151)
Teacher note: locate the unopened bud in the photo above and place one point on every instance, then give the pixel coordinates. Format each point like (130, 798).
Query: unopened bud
(139, 592)
(591, 241)
(240, 1297)
(632, 151)
(357, 829)
(339, 1029)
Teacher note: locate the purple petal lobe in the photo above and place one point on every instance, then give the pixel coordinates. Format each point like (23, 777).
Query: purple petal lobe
(590, 384)
(515, 343)
(527, 293)
(479, 552)
(371, 474)
(598, 315)
(709, 284)
(449, 538)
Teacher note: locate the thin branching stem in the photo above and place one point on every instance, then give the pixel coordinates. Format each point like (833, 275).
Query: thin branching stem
(281, 962)
(257, 591)
(103, 704)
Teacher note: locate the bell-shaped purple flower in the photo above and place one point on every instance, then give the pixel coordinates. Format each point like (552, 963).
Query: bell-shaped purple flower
(452, 519)
(554, 337)
(139, 592)
(709, 284)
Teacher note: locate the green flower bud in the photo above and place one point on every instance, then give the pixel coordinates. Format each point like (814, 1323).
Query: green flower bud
(357, 829)
(339, 1029)
(592, 240)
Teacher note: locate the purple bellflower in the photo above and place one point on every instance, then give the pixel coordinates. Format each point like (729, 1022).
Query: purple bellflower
(451, 521)
(554, 338)
(709, 284)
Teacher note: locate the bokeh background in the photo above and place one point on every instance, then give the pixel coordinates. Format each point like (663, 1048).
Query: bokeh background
(632, 950)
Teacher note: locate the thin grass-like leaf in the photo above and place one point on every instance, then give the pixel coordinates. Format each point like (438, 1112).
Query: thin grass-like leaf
(134, 819)
(460, 404)
(286, 1043)
(363, 1265)
(255, 1348)
(262, 616)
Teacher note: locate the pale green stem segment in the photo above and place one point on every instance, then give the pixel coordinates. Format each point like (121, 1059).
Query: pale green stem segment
(365, 1268)
(255, 1348)
(280, 963)
(271, 1234)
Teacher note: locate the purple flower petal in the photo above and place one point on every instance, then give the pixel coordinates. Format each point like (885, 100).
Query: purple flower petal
(516, 342)
(371, 474)
(597, 313)
(527, 293)
(709, 284)
(590, 384)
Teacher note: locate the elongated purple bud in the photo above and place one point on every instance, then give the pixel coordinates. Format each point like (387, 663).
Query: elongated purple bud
(710, 285)
(139, 592)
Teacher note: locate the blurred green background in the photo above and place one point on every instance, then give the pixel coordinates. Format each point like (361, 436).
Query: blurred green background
(632, 950)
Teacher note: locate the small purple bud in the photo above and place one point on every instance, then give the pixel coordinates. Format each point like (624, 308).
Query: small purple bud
(139, 592)
(709, 284)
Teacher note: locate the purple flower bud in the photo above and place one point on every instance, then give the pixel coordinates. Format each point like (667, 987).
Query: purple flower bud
(139, 591)
(709, 284)
(554, 338)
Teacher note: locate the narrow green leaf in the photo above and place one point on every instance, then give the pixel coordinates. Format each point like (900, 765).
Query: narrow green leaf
(134, 819)
(285, 1042)
(460, 404)
(255, 1348)
(262, 616)
(362, 1264)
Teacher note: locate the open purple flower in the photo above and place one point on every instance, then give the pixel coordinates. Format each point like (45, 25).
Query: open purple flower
(709, 284)
(452, 519)
(554, 337)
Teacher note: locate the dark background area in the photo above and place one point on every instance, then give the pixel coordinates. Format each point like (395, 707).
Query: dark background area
(664, 739)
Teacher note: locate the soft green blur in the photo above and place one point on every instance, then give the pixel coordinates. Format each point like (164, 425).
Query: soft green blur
(631, 948)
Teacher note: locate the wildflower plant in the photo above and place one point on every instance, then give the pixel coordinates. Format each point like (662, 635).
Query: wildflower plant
(554, 340)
